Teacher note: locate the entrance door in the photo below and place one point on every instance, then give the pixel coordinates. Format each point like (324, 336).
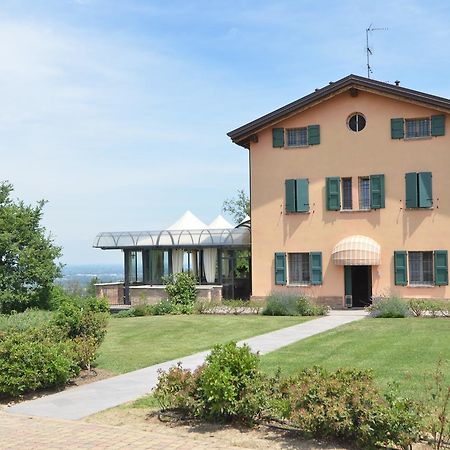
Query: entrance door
(358, 284)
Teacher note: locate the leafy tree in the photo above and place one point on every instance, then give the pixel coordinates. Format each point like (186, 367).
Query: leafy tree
(237, 207)
(28, 256)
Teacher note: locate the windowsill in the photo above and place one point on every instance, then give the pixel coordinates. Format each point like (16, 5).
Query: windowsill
(421, 285)
(297, 212)
(354, 210)
(418, 138)
(420, 209)
(294, 285)
(296, 146)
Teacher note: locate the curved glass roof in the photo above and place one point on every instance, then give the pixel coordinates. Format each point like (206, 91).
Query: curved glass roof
(226, 237)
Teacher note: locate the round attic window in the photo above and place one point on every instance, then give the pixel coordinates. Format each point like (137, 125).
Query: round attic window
(356, 122)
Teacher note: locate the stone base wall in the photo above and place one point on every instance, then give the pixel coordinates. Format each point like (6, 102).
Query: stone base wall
(113, 292)
(149, 295)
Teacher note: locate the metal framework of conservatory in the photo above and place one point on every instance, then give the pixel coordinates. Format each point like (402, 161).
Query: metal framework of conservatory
(211, 254)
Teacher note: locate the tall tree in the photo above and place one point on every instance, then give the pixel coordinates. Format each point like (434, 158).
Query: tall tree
(237, 207)
(28, 256)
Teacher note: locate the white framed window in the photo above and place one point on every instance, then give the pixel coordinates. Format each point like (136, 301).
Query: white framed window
(420, 268)
(297, 137)
(364, 193)
(415, 128)
(299, 268)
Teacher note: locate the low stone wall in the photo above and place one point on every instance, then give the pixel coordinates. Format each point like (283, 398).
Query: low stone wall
(150, 295)
(113, 292)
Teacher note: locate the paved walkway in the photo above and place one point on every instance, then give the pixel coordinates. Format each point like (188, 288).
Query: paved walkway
(91, 398)
(38, 433)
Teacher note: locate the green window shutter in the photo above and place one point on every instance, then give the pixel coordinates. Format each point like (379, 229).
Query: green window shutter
(401, 274)
(315, 264)
(333, 185)
(302, 191)
(377, 191)
(313, 134)
(412, 200)
(278, 137)
(438, 125)
(397, 129)
(425, 190)
(290, 195)
(280, 268)
(440, 268)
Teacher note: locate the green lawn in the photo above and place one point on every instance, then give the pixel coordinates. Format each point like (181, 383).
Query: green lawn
(137, 342)
(403, 350)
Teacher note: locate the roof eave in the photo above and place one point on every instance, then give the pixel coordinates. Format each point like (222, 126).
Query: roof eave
(241, 135)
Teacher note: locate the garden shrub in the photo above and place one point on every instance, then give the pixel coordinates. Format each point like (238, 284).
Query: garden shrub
(82, 318)
(163, 307)
(176, 389)
(40, 349)
(85, 351)
(123, 314)
(181, 291)
(30, 361)
(391, 307)
(346, 405)
(429, 308)
(229, 386)
(282, 304)
(27, 320)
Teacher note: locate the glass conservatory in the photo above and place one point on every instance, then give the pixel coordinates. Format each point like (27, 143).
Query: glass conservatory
(219, 258)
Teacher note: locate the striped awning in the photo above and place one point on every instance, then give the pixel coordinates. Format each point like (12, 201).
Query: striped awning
(356, 251)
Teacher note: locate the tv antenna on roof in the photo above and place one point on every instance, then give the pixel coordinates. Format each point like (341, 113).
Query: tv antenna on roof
(368, 49)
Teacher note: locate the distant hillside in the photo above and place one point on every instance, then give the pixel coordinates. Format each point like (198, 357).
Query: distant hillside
(83, 273)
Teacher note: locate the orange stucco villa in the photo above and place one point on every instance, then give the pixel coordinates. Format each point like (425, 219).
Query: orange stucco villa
(350, 194)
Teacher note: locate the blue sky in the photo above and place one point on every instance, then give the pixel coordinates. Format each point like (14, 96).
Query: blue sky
(116, 112)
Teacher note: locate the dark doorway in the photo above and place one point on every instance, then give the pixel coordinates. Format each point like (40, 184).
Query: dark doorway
(361, 282)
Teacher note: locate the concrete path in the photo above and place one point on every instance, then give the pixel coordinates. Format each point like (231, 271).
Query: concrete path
(91, 398)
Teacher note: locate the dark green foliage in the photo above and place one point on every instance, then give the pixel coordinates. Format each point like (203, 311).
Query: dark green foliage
(31, 361)
(40, 349)
(27, 254)
(82, 317)
(180, 288)
(392, 307)
(346, 405)
(281, 304)
(123, 314)
(229, 386)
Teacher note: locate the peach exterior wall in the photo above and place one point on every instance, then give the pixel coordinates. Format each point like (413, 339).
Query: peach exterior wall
(344, 153)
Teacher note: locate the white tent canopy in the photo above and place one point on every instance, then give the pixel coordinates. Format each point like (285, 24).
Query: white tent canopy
(220, 223)
(188, 221)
